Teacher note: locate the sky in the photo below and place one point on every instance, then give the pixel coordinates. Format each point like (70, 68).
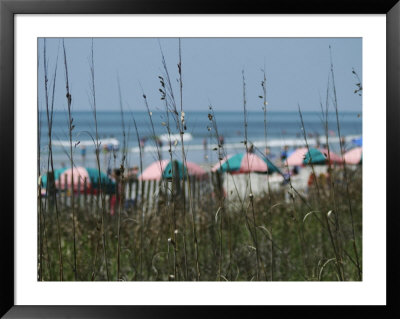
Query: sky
(296, 70)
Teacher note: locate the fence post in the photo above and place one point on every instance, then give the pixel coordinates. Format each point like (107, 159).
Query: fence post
(78, 197)
(136, 192)
(85, 193)
(148, 196)
(142, 193)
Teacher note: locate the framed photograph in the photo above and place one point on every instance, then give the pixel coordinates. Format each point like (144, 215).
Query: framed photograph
(174, 154)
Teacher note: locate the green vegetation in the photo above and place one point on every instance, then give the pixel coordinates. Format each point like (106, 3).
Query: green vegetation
(187, 229)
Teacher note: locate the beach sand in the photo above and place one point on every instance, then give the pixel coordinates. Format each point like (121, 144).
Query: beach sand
(234, 184)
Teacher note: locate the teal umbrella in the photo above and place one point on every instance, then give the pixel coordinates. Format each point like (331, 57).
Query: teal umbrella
(57, 174)
(271, 166)
(63, 179)
(165, 169)
(168, 170)
(320, 157)
(109, 185)
(245, 163)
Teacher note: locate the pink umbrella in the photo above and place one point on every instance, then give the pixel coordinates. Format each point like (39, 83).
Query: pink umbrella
(353, 156)
(297, 157)
(252, 163)
(220, 163)
(195, 169)
(334, 158)
(242, 163)
(155, 170)
(79, 173)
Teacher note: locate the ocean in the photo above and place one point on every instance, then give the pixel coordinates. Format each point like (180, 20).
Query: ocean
(283, 128)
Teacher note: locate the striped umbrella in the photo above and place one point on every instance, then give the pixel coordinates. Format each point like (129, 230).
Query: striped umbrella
(57, 173)
(353, 156)
(296, 158)
(63, 180)
(320, 157)
(164, 169)
(245, 163)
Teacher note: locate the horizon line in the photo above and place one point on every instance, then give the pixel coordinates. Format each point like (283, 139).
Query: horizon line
(230, 111)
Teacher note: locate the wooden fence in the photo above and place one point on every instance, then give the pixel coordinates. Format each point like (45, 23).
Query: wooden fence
(136, 193)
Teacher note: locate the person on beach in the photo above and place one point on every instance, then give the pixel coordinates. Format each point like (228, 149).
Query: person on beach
(142, 142)
(310, 182)
(83, 154)
(251, 149)
(205, 149)
(317, 140)
(343, 142)
(133, 173)
(221, 140)
(114, 199)
(284, 154)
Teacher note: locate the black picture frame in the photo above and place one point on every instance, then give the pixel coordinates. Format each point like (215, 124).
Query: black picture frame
(9, 8)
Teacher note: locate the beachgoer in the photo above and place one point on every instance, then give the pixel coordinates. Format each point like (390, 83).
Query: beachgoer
(159, 144)
(83, 154)
(142, 142)
(221, 140)
(133, 173)
(311, 180)
(318, 143)
(251, 148)
(343, 142)
(284, 153)
(105, 149)
(205, 148)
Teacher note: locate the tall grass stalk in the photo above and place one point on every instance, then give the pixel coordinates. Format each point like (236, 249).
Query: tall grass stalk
(338, 263)
(182, 129)
(97, 151)
(335, 100)
(150, 114)
(251, 196)
(70, 129)
(49, 113)
(39, 193)
(331, 172)
(221, 205)
(169, 92)
(222, 154)
(264, 108)
(121, 185)
(173, 224)
(141, 202)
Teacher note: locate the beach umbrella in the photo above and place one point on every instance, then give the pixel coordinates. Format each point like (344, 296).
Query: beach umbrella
(353, 156)
(57, 173)
(64, 180)
(320, 157)
(245, 163)
(164, 169)
(296, 158)
(357, 141)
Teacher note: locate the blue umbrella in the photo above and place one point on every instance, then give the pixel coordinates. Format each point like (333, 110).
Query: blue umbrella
(357, 141)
